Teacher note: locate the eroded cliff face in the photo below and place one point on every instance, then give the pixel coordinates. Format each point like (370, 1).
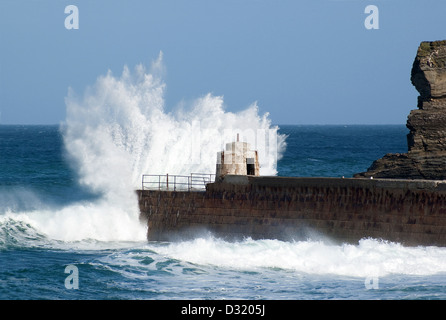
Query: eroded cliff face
(426, 156)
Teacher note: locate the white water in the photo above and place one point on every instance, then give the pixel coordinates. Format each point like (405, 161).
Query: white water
(370, 257)
(119, 129)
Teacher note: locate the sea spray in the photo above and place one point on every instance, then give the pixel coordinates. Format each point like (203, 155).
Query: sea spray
(120, 130)
(117, 131)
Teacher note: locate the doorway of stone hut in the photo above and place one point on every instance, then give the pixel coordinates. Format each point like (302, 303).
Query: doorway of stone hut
(250, 167)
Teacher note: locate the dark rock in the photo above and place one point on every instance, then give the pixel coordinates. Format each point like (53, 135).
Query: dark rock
(429, 70)
(426, 156)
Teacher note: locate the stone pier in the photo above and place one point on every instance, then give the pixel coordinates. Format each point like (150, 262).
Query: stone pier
(411, 212)
(406, 204)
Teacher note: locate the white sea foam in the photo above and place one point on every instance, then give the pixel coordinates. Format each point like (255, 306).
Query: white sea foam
(120, 129)
(369, 258)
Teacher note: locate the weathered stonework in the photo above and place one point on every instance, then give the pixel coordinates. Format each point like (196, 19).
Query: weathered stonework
(238, 159)
(344, 210)
(412, 212)
(426, 156)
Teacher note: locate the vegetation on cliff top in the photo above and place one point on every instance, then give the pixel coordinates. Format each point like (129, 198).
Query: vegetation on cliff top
(426, 47)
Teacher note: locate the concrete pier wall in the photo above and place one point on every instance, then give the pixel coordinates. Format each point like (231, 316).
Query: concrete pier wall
(412, 212)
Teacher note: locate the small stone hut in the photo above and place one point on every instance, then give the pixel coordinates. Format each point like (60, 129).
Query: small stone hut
(237, 159)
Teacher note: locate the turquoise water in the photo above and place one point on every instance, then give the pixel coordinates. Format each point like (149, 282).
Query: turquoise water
(50, 221)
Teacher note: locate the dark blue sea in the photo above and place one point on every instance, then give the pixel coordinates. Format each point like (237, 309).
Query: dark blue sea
(63, 237)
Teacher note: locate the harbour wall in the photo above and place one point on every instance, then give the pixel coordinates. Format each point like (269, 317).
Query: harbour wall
(411, 212)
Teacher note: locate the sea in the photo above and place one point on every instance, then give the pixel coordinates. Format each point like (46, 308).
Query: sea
(41, 199)
(69, 227)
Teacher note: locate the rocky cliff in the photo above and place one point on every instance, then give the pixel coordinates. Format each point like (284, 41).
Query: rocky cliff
(426, 156)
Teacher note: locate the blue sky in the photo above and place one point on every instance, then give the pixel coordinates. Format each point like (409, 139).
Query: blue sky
(304, 62)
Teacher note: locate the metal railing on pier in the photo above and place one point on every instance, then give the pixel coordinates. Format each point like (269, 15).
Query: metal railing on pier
(195, 181)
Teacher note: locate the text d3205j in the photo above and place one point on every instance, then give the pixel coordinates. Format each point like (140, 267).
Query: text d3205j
(229, 309)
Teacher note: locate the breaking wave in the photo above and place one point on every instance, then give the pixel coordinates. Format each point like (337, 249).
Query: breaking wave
(370, 257)
(120, 129)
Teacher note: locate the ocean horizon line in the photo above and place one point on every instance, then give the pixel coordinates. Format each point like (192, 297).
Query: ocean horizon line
(273, 124)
